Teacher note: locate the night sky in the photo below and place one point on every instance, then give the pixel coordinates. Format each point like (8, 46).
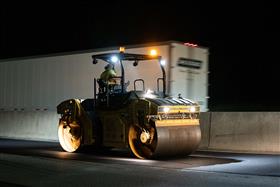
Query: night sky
(244, 62)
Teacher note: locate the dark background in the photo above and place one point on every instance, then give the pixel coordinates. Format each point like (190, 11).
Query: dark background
(244, 62)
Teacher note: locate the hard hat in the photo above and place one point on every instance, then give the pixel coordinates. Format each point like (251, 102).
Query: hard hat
(109, 66)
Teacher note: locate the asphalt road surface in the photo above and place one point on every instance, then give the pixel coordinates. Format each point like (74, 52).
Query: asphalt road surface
(31, 163)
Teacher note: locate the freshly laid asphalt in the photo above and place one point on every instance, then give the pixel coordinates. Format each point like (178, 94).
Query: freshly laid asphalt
(31, 163)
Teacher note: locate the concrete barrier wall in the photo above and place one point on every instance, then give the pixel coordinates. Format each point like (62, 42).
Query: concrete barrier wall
(205, 119)
(245, 131)
(33, 125)
(256, 132)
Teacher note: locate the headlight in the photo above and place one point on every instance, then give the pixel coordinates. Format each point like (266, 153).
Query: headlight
(163, 109)
(166, 109)
(192, 109)
(114, 59)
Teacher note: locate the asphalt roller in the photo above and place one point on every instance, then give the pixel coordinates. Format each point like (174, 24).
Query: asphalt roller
(150, 124)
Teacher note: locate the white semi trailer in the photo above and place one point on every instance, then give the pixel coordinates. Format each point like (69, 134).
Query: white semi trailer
(41, 82)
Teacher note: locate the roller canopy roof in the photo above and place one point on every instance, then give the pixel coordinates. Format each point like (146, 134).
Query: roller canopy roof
(125, 56)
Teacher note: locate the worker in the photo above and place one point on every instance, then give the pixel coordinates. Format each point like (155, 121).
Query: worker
(109, 74)
(107, 79)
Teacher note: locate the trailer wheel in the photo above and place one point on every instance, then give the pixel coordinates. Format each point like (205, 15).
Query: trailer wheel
(70, 136)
